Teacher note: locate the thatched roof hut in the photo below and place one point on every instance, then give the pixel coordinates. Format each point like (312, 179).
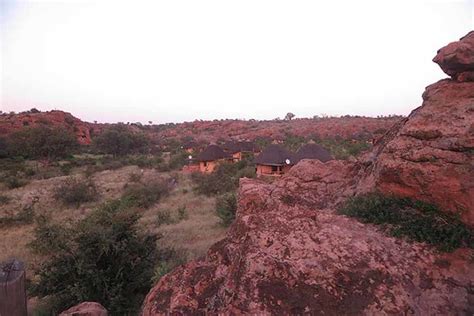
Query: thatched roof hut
(313, 151)
(275, 155)
(211, 153)
(237, 146)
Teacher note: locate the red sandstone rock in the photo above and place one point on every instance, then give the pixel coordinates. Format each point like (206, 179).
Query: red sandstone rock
(289, 253)
(85, 309)
(430, 156)
(13, 122)
(283, 258)
(457, 58)
(345, 127)
(211, 131)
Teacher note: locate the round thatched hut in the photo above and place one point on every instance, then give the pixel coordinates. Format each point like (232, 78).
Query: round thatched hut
(274, 160)
(313, 151)
(210, 157)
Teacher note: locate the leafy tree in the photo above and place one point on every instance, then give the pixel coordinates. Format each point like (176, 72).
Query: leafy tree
(413, 219)
(119, 140)
(294, 142)
(224, 179)
(102, 258)
(226, 207)
(289, 116)
(42, 142)
(3, 148)
(74, 191)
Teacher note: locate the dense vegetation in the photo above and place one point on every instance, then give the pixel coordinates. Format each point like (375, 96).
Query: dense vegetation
(119, 140)
(103, 258)
(224, 179)
(416, 220)
(41, 142)
(338, 147)
(226, 207)
(74, 191)
(145, 195)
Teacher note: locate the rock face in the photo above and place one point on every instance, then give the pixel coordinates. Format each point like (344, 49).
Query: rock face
(431, 155)
(457, 58)
(288, 252)
(13, 122)
(291, 257)
(86, 309)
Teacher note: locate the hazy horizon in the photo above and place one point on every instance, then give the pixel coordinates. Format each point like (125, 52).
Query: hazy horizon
(188, 60)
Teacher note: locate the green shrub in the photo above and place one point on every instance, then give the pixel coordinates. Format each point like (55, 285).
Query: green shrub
(163, 217)
(143, 161)
(224, 179)
(66, 168)
(416, 220)
(294, 142)
(168, 260)
(246, 172)
(75, 191)
(14, 182)
(25, 216)
(178, 160)
(3, 148)
(4, 199)
(42, 142)
(12, 166)
(343, 149)
(182, 213)
(119, 140)
(145, 195)
(102, 258)
(135, 176)
(226, 207)
(29, 172)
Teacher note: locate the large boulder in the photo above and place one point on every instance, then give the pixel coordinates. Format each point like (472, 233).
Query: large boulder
(288, 252)
(10, 123)
(85, 309)
(286, 258)
(457, 58)
(430, 155)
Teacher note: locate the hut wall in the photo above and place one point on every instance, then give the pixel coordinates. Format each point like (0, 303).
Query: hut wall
(237, 156)
(208, 166)
(264, 170)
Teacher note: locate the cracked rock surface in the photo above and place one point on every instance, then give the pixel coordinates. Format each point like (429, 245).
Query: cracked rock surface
(430, 155)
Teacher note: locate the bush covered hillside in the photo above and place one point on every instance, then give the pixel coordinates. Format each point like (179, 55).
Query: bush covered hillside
(118, 194)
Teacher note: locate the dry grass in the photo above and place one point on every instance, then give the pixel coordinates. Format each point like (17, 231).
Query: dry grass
(198, 232)
(195, 234)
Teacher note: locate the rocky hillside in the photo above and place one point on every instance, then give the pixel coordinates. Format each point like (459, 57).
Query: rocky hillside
(289, 252)
(345, 127)
(13, 122)
(211, 131)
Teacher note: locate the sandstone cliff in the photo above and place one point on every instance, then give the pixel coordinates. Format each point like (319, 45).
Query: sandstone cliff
(288, 252)
(13, 122)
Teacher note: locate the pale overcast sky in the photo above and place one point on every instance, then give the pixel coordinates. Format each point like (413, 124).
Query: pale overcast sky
(180, 60)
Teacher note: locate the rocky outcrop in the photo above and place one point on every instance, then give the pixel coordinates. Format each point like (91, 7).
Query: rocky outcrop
(363, 128)
(85, 309)
(288, 252)
(13, 122)
(431, 155)
(457, 58)
(286, 257)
